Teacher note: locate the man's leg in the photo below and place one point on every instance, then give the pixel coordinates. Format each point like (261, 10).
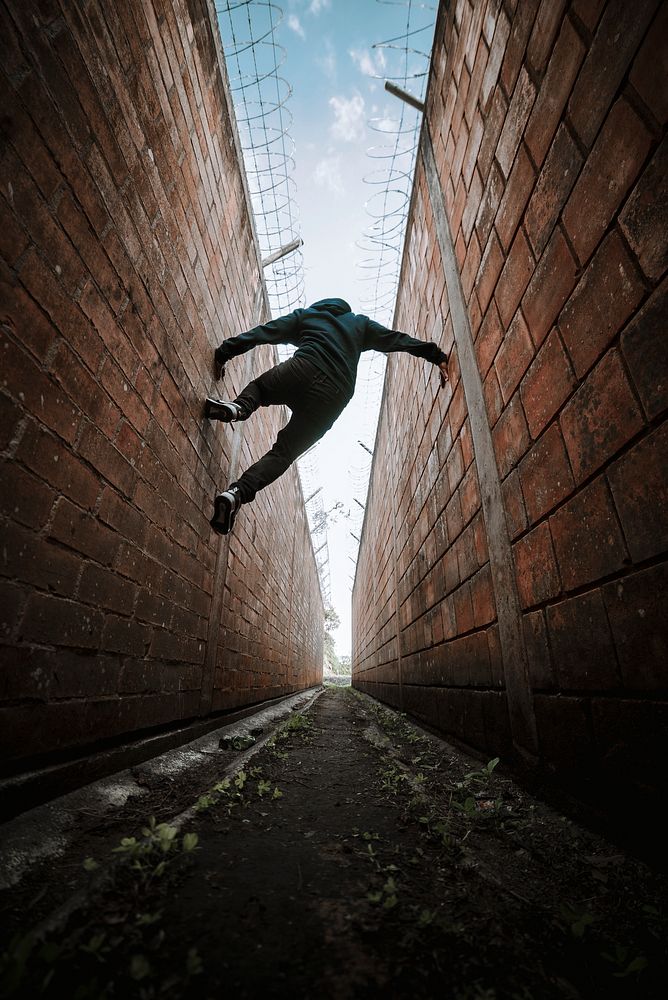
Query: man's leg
(301, 431)
(284, 383)
(316, 403)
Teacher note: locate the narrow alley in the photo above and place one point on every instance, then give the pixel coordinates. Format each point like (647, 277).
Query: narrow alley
(346, 853)
(187, 810)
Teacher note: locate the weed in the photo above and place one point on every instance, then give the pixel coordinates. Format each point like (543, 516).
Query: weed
(623, 964)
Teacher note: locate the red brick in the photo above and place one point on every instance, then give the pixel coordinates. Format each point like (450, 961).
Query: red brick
(482, 597)
(510, 436)
(61, 623)
(547, 384)
(54, 462)
(541, 671)
(535, 567)
(10, 415)
(28, 558)
(109, 462)
(644, 219)
(645, 348)
(563, 67)
(121, 635)
(453, 515)
(640, 490)
(25, 380)
(489, 204)
(516, 119)
(514, 356)
(605, 297)
(581, 643)
(153, 608)
(463, 608)
(552, 282)
(472, 150)
(544, 32)
(25, 498)
(515, 197)
(513, 504)
(13, 237)
(651, 64)
(12, 600)
(493, 126)
(480, 540)
(615, 42)
(514, 278)
(117, 512)
(35, 215)
(471, 266)
(469, 494)
(519, 35)
(587, 538)
(496, 53)
(545, 474)
(489, 337)
(588, 12)
(455, 466)
(82, 532)
(554, 184)
(65, 314)
(84, 389)
(601, 417)
(23, 316)
(103, 588)
(610, 170)
(637, 614)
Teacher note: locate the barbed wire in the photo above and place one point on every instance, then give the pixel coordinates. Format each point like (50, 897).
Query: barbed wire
(261, 95)
(405, 61)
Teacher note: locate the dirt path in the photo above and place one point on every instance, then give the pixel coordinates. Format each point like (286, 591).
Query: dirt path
(356, 856)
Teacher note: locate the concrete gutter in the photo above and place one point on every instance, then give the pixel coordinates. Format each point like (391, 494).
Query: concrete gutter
(48, 830)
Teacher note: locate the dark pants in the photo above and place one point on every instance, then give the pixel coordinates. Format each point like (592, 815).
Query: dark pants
(315, 400)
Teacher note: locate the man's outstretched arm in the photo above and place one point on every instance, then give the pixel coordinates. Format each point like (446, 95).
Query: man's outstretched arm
(379, 338)
(283, 330)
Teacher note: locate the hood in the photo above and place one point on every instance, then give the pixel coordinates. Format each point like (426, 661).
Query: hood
(334, 306)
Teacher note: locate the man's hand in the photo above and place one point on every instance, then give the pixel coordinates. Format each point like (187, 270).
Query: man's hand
(443, 372)
(218, 369)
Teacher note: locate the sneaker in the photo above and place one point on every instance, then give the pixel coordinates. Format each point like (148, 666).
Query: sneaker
(225, 507)
(220, 409)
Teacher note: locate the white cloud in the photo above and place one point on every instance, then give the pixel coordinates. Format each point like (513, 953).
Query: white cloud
(327, 61)
(316, 6)
(371, 64)
(349, 121)
(294, 24)
(327, 174)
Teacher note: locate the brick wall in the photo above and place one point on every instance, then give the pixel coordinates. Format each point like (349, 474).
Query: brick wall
(510, 587)
(127, 253)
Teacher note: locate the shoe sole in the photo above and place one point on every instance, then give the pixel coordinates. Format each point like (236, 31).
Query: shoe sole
(210, 407)
(223, 512)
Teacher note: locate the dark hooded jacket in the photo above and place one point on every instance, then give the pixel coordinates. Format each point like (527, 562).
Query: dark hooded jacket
(332, 337)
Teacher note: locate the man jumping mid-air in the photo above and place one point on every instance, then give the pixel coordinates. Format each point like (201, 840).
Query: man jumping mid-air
(317, 382)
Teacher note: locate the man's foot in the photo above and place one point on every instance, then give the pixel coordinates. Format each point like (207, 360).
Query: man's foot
(225, 508)
(221, 409)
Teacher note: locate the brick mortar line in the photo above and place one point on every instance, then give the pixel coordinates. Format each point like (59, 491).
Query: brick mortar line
(514, 656)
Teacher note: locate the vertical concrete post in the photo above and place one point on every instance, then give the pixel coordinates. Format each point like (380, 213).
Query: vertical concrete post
(395, 562)
(515, 666)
